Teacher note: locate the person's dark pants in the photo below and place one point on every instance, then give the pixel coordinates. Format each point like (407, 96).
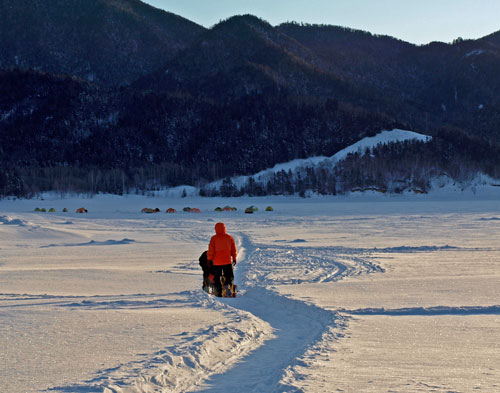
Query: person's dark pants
(227, 271)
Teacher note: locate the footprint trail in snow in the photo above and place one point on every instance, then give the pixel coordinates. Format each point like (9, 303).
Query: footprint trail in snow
(297, 325)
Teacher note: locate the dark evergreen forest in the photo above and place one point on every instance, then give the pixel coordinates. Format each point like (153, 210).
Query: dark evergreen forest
(160, 101)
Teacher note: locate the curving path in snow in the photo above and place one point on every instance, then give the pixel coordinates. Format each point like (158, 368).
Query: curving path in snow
(297, 326)
(257, 348)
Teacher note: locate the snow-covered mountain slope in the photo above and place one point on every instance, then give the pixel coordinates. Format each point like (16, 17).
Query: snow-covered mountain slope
(384, 137)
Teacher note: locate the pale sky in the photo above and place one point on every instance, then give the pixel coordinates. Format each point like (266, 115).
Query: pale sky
(416, 21)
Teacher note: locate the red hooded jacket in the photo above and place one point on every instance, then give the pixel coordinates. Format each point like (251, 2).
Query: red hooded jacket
(222, 247)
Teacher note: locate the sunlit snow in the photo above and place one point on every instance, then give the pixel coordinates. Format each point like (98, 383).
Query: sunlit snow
(361, 293)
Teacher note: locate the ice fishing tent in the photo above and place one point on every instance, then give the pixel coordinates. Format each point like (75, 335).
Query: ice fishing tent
(149, 210)
(252, 208)
(170, 210)
(269, 209)
(218, 209)
(195, 210)
(82, 210)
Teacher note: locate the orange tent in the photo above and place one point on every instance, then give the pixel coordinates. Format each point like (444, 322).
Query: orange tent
(82, 210)
(195, 210)
(149, 210)
(170, 210)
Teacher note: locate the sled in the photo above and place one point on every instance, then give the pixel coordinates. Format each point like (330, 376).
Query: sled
(228, 289)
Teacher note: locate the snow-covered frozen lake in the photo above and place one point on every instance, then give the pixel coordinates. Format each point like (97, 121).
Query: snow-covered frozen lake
(358, 294)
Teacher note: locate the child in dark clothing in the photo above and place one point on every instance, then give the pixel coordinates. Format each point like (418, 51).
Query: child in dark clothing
(208, 274)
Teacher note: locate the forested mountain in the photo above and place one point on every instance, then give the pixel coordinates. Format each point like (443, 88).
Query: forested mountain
(244, 56)
(111, 42)
(115, 95)
(427, 86)
(61, 127)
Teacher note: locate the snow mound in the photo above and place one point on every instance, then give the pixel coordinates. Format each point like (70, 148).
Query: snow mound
(416, 249)
(93, 243)
(438, 310)
(5, 220)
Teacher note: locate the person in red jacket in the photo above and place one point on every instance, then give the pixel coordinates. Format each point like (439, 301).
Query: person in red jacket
(222, 251)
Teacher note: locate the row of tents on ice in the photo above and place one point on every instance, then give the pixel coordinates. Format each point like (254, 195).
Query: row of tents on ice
(52, 210)
(250, 209)
(171, 210)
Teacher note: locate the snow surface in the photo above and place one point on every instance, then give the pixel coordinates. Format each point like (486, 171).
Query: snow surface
(368, 293)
